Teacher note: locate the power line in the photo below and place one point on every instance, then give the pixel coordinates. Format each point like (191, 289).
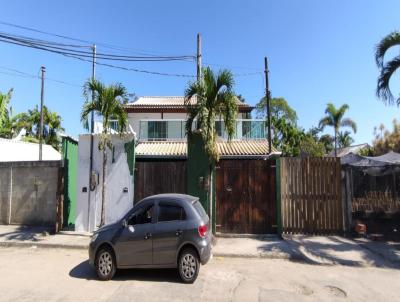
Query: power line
(51, 46)
(19, 73)
(110, 46)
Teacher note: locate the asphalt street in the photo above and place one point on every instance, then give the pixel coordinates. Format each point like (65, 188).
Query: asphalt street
(39, 274)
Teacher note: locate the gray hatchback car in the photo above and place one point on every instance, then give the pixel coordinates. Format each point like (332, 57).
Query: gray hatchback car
(160, 231)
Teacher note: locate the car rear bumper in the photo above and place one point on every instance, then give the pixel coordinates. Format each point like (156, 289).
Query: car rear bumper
(205, 253)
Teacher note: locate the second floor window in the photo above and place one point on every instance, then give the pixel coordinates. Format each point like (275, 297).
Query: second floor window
(157, 130)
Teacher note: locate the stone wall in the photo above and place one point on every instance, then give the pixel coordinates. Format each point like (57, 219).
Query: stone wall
(28, 192)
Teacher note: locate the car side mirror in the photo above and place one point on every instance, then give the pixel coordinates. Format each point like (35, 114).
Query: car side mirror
(124, 223)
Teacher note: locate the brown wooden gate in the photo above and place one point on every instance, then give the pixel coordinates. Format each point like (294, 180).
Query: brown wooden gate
(311, 199)
(156, 177)
(245, 196)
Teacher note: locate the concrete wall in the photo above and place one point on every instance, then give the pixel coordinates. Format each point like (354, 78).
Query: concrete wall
(28, 192)
(119, 176)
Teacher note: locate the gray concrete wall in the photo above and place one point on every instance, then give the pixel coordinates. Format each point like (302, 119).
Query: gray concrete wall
(28, 192)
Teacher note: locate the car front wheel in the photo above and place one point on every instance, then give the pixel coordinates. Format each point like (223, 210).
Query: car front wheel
(188, 265)
(105, 264)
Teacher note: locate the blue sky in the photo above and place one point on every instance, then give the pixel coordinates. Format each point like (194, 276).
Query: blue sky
(319, 51)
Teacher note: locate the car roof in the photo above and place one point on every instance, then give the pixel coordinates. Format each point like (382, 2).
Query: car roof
(171, 196)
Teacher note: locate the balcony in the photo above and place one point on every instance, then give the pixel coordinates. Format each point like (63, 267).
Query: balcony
(164, 130)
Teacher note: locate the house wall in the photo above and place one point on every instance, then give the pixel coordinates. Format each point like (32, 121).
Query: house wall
(119, 176)
(28, 192)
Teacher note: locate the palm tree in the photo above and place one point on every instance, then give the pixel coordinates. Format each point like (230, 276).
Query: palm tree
(344, 139)
(4, 110)
(215, 97)
(387, 69)
(334, 118)
(106, 101)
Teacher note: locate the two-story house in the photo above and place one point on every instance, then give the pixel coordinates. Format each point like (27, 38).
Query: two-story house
(159, 123)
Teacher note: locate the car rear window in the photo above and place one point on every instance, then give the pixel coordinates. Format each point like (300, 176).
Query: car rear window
(170, 213)
(199, 208)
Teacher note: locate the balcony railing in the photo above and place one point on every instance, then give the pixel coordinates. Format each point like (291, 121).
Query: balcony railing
(164, 130)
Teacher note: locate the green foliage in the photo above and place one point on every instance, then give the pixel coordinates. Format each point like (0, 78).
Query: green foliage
(4, 107)
(107, 102)
(10, 125)
(215, 97)
(335, 118)
(367, 152)
(344, 139)
(387, 69)
(279, 109)
(309, 146)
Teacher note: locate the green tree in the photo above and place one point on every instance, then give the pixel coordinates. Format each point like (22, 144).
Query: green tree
(5, 110)
(387, 69)
(107, 102)
(287, 137)
(344, 139)
(279, 109)
(215, 97)
(334, 118)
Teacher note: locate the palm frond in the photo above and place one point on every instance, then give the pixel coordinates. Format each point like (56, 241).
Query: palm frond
(387, 42)
(347, 122)
(383, 89)
(325, 121)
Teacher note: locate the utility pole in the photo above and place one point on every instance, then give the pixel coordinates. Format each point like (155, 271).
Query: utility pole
(198, 58)
(43, 69)
(91, 134)
(268, 98)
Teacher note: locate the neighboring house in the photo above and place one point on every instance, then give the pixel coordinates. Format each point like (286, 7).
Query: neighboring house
(13, 150)
(347, 150)
(163, 118)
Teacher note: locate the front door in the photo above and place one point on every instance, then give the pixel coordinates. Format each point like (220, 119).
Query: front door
(135, 244)
(168, 232)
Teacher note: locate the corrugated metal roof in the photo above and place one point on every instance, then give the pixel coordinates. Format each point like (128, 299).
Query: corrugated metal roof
(168, 102)
(22, 151)
(178, 149)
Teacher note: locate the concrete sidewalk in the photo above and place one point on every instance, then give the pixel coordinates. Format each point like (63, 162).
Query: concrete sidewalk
(327, 250)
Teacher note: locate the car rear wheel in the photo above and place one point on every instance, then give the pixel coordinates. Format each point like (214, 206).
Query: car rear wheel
(188, 265)
(105, 264)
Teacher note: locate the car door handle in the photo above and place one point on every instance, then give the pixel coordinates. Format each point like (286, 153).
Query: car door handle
(178, 232)
(148, 236)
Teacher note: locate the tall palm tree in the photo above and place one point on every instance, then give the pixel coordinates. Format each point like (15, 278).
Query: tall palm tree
(387, 69)
(334, 118)
(105, 101)
(344, 139)
(4, 110)
(215, 97)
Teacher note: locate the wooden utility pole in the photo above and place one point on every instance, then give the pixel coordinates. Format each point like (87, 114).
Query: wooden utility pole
(198, 57)
(43, 69)
(268, 98)
(91, 135)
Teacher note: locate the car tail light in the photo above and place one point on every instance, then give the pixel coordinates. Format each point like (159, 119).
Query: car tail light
(202, 230)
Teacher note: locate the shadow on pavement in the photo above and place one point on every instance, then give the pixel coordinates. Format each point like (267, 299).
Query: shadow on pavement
(85, 271)
(23, 233)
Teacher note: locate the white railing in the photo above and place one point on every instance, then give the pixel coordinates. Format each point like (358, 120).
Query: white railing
(174, 129)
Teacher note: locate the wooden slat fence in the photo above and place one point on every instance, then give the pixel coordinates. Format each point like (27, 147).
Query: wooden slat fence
(311, 199)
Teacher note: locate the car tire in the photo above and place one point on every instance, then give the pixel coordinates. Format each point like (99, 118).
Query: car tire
(188, 265)
(106, 265)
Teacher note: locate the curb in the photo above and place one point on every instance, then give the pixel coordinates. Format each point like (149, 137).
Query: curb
(83, 247)
(43, 245)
